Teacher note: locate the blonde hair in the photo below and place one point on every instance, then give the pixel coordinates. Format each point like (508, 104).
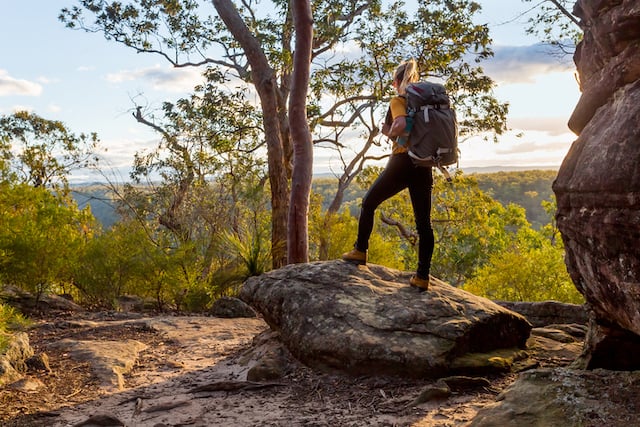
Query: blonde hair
(406, 73)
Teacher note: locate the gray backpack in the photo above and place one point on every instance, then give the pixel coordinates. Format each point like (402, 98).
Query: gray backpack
(432, 126)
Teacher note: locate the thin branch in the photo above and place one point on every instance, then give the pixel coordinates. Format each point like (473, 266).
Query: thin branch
(568, 14)
(410, 236)
(339, 104)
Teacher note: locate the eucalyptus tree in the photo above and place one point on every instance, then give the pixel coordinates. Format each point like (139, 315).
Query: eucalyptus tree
(298, 229)
(210, 179)
(356, 44)
(42, 152)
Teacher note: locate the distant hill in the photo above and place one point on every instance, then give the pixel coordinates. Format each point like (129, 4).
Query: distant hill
(100, 198)
(493, 169)
(525, 187)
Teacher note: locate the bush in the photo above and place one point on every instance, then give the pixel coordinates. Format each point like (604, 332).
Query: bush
(10, 320)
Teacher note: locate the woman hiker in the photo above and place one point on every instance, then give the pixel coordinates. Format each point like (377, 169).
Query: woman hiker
(400, 173)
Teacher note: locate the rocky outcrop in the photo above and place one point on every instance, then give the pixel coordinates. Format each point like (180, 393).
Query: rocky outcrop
(109, 360)
(598, 184)
(14, 356)
(563, 397)
(28, 304)
(366, 320)
(543, 313)
(231, 308)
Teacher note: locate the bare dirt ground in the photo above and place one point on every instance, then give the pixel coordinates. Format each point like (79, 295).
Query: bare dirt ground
(193, 373)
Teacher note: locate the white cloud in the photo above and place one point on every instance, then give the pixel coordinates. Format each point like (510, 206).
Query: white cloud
(553, 126)
(166, 79)
(534, 149)
(10, 86)
(45, 80)
(521, 64)
(54, 108)
(120, 151)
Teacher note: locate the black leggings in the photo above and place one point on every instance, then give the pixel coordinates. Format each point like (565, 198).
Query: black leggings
(401, 173)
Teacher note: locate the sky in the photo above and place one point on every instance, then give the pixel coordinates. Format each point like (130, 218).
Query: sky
(92, 85)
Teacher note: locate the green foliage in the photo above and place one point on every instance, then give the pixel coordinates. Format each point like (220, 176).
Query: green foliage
(525, 188)
(114, 263)
(249, 247)
(41, 237)
(530, 269)
(10, 320)
(469, 226)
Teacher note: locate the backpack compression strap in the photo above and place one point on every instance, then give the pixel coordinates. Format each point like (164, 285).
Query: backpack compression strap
(426, 108)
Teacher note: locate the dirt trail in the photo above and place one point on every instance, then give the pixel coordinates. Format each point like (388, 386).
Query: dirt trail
(193, 373)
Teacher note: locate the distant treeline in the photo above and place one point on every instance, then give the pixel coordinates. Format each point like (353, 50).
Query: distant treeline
(525, 188)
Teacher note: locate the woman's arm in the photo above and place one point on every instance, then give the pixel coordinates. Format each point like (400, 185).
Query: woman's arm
(396, 118)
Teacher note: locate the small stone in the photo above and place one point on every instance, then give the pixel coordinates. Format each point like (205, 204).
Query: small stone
(437, 391)
(27, 385)
(38, 362)
(101, 420)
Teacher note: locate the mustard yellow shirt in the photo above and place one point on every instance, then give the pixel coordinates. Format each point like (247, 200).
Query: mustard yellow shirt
(398, 106)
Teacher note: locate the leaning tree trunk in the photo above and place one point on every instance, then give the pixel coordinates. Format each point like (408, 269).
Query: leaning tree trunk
(264, 80)
(298, 232)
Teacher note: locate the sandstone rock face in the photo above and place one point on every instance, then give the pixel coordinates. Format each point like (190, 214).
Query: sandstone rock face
(545, 313)
(369, 321)
(598, 185)
(564, 397)
(110, 360)
(12, 360)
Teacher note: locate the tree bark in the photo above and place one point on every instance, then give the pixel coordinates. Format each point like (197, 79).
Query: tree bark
(264, 80)
(298, 231)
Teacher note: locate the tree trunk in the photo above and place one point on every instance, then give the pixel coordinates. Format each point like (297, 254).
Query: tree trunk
(264, 80)
(298, 232)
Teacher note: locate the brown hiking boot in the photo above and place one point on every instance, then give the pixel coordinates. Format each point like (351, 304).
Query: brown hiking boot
(355, 256)
(417, 282)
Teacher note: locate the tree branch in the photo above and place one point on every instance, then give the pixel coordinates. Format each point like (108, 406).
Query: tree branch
(321, 119)
(410, 236)
(566, 13)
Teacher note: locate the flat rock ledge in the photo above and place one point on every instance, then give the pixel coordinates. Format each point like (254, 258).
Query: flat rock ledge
(367, 320)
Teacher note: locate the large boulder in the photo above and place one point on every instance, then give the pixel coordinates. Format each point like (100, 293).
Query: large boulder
(367, 320)
(598, 184)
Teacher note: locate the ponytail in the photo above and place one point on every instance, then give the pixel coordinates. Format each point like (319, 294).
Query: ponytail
(405, 74)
